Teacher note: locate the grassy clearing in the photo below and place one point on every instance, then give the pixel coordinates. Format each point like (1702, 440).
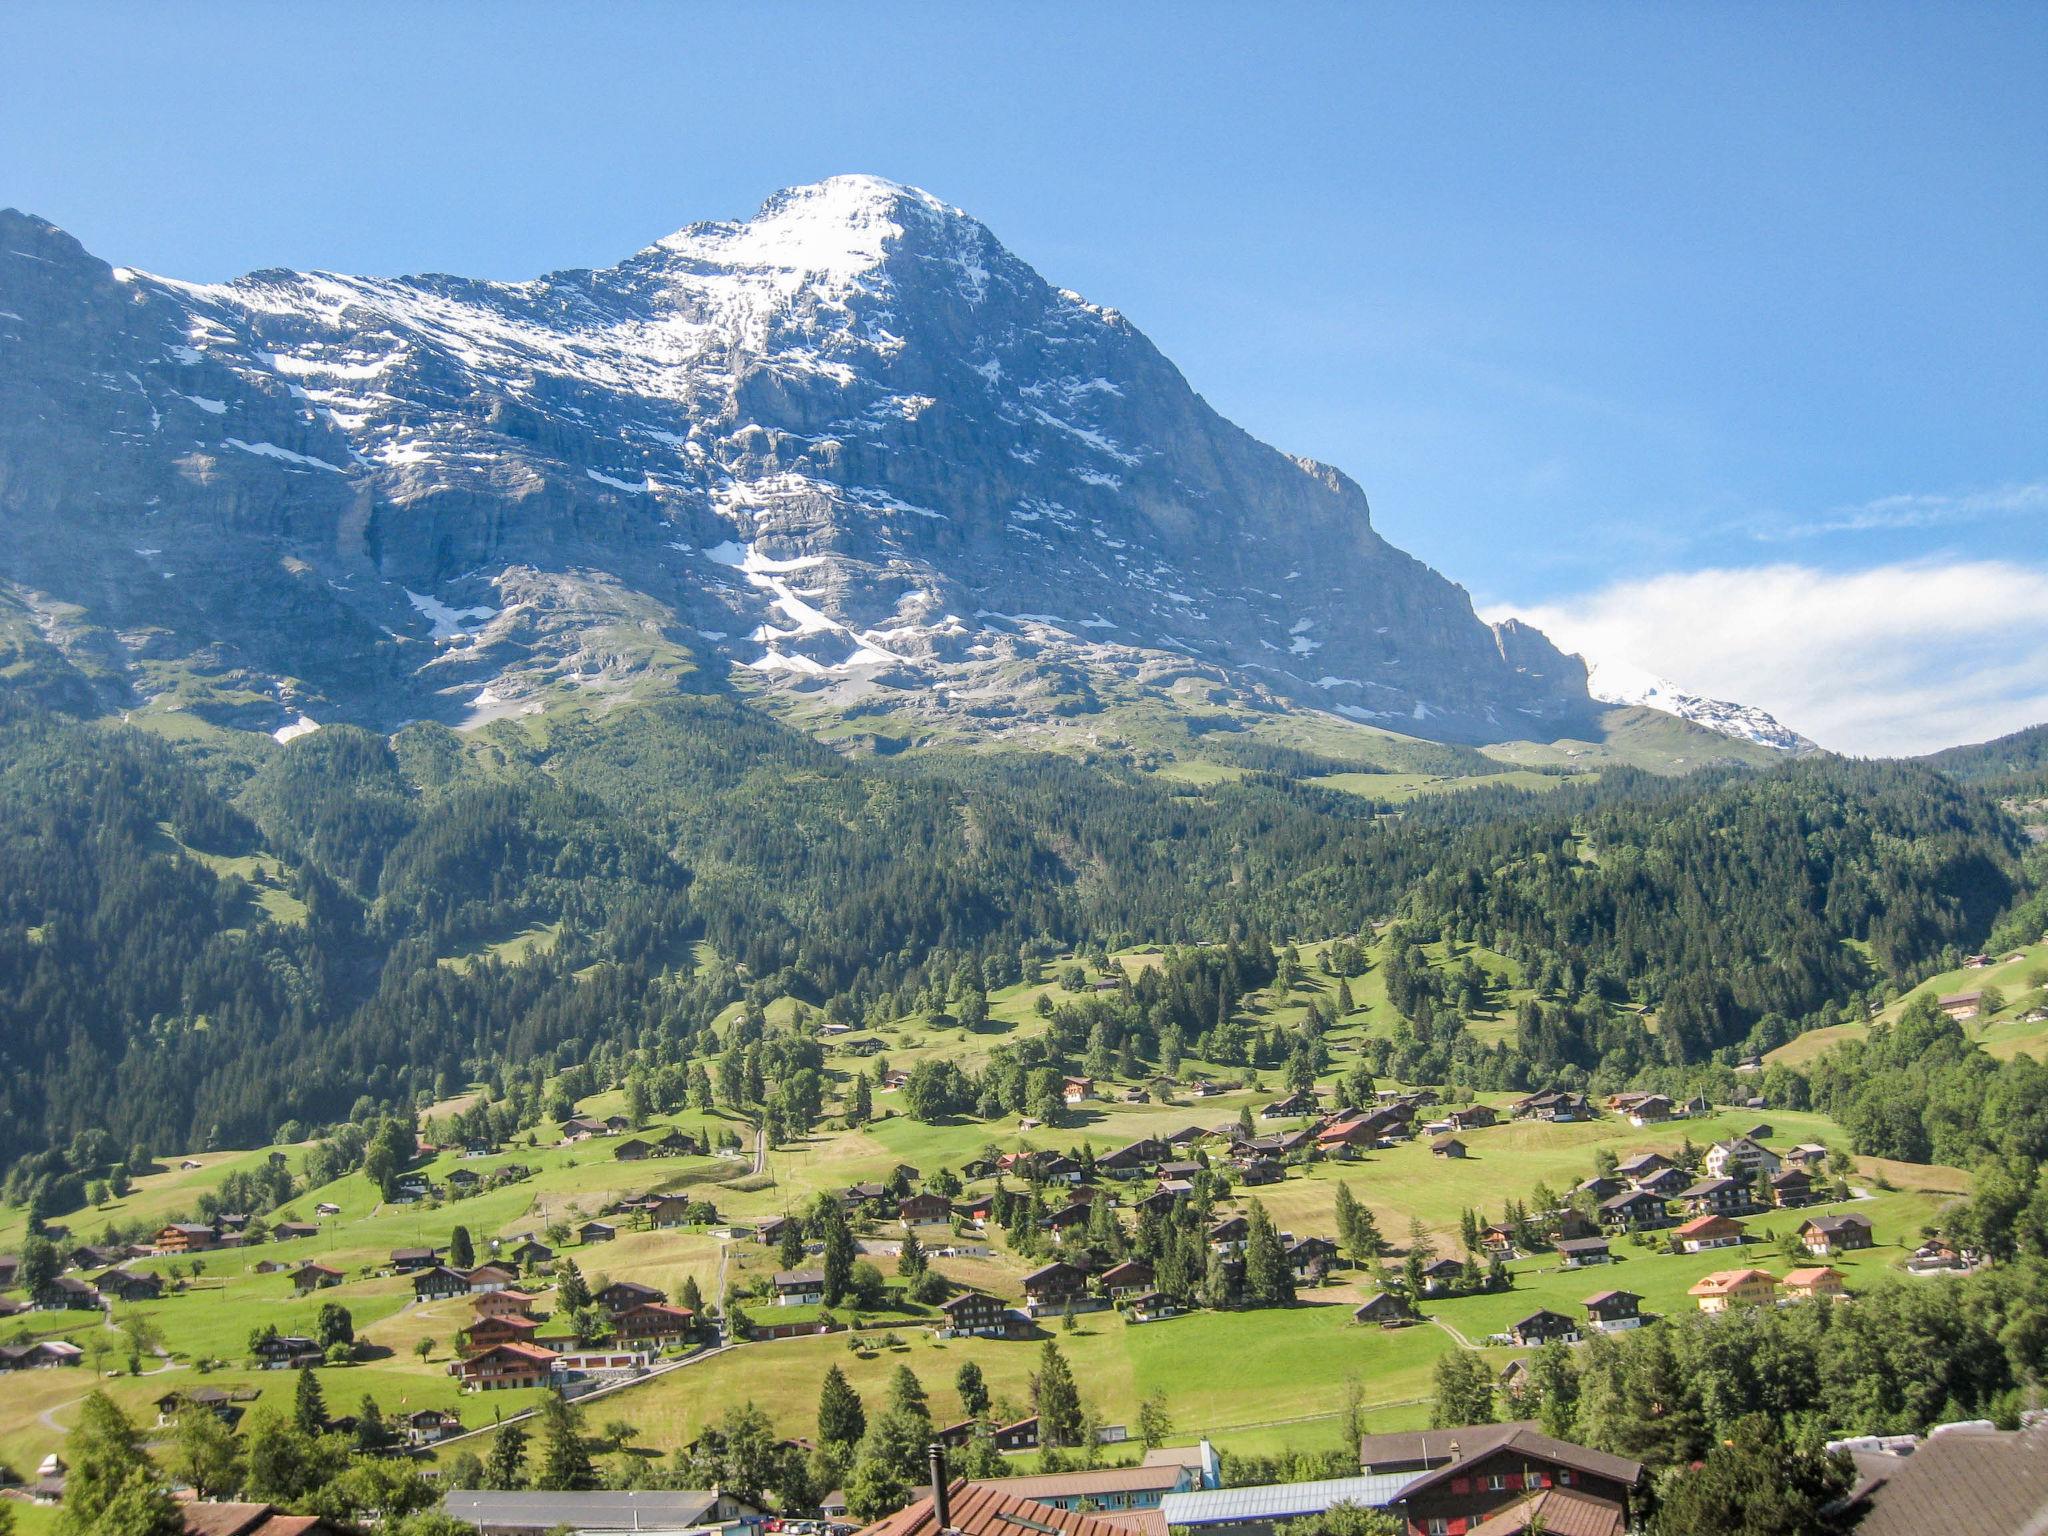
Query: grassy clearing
(2004, 1034)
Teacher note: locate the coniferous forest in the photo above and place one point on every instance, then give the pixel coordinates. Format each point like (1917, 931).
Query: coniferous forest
(236, 942)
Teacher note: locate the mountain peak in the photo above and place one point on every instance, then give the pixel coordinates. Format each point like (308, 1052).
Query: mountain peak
(836, 228)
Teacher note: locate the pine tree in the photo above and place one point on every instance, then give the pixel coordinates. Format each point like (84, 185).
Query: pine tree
(841, 1419)
(1056, 1398)
(309, 1404)
(565, 1465)
(838, 1256)
(862, 1107)
(790, 1249)
(910, 1260)
(906, 1394)
(571, 1294)
(973, 1390)
(1464, 1390)
(690, 1296)
(110, 1488)
(507, 1467)
(1267, 1278)
(461, 1251)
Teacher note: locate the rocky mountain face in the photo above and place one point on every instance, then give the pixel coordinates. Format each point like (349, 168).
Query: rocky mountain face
(851, 448)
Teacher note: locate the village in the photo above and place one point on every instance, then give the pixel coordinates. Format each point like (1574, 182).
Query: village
(667, 1268)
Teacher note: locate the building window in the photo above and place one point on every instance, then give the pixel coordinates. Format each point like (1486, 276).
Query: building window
(1438, 1526)
(1496, 1483)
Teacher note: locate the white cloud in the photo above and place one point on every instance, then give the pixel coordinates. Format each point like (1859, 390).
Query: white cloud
(1922, 509)
(1896, 659)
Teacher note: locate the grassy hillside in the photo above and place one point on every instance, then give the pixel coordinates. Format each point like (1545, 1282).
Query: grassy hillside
(1288, 1365)
(2021, 975)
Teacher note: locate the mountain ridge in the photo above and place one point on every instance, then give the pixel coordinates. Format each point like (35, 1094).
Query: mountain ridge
(851, 449)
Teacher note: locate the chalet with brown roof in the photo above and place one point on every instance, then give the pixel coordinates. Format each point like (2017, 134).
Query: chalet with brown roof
(596, 1232)
(1152, 1307)
(1470, 1474)
(406, 1260)
(653, 1322)
(128, 1285)
(1633, 1211)
(1291, 1107)
(505, 1366)
(1791, 1187)
(1716, 1197)
(1229, 1235)
(1574, 1252)
(1613, 1311)
(487, 1333)
(186, 1237)
(1447, 1146)
(1962, 1006)
(66, 1293)
(286, 1352)
(509, 1302)
(288, 1231)
(1642, 1165)
(437, 1282)
(1822, 1236)
(799, 1287)
(1077, 1090)
(1053, 1287)
(1705, 1232)
(1387, 1309)
(1555, 1512)
(1131, 1275)
(926, 1207)
(621, 1294)
(1310, 1256)
(1132, 1160)
(1541, 1326)
(976, 1314)
(310, 1277)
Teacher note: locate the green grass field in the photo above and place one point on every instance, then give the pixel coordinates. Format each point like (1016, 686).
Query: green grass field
(2004, 1034)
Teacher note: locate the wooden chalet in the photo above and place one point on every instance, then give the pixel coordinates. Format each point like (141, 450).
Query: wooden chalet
(1844, 1233)
(976, 1314)
(310, 1277)
(1727, 1288)
(1054, 1286)
(653, 1322)
(1705, 1232)
(1613, 1311)
(1820, 1283)
(437, 1282)
(505, 1366)
(1541, 1326)
(1386, 1309)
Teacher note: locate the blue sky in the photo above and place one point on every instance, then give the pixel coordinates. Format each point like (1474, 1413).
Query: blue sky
(1625, 316)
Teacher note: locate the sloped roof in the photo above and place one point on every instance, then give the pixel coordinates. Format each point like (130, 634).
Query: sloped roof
(984, 1509)
(1957, 1480)
(1477, 1440)
(1561, 1512)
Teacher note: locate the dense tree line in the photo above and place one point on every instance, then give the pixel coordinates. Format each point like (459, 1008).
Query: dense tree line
(148, 992)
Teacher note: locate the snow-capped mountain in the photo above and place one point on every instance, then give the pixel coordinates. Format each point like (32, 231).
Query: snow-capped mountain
(851, 446)
(1618, 683)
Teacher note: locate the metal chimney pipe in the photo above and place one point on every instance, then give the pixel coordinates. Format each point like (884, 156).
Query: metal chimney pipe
(942, 1512)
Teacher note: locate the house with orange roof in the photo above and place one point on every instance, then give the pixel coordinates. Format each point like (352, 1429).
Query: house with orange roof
(1726, 1288)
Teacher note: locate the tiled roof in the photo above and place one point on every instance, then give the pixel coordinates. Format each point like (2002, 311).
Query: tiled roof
(1959, 1480)
(1477, 1440)
(1556, 1512)
(1138, 1479)
(983, 1509)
